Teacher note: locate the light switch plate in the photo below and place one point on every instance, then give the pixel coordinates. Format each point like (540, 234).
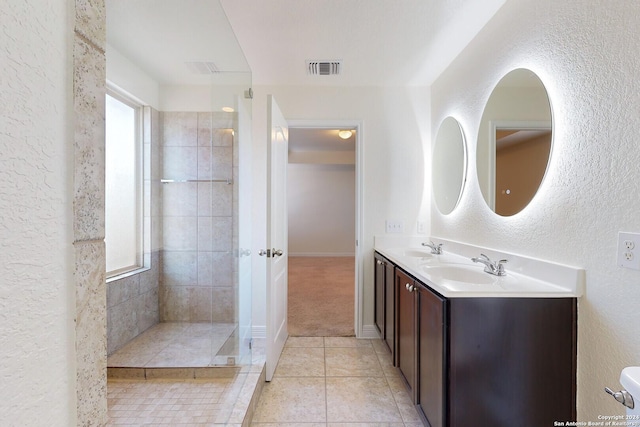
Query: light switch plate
(394, 226)
(629, 250)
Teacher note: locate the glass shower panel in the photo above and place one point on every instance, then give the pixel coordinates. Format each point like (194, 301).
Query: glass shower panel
(230, 94)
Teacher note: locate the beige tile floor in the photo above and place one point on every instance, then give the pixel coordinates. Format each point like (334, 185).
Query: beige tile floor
(205, 402)
(173, 345)
(335, 382)
(329, 382)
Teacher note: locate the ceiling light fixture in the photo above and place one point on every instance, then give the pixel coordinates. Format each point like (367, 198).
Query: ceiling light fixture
(228, 109)
(345, 134)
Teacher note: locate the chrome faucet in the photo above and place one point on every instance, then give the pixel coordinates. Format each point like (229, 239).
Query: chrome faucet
(435, 249)
(495, 268)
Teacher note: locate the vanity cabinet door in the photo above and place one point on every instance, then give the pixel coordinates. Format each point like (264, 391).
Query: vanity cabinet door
(431, 363)
(390, 309)
(512, 359)
(406, 329)
(385, 301)
(379, 278)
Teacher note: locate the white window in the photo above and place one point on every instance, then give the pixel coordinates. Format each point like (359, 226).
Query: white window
(124, 191)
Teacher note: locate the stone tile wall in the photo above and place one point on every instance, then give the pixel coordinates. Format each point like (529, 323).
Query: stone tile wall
(197, 282)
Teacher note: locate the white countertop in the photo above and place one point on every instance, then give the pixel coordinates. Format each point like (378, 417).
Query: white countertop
(454, 275)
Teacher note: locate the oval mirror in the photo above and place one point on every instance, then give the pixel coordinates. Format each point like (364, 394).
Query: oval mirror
(449, 165)
(514, 142)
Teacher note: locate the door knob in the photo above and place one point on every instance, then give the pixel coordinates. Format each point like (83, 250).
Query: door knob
(276, 252)
(263, 252)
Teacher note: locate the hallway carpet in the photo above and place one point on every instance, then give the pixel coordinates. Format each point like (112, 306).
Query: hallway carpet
(321, 296)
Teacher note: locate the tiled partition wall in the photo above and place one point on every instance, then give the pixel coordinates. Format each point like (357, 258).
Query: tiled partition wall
(132, 302)
(197, 282)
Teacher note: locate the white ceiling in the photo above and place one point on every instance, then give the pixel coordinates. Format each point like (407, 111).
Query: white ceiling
(380, 42)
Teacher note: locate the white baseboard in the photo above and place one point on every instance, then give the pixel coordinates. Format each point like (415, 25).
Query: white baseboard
(259, 331)
(369, 332)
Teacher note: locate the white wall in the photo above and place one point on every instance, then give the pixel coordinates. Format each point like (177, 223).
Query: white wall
(588, 56)
(37, 288)
(321, 200)
(395, 126)
(131, 78)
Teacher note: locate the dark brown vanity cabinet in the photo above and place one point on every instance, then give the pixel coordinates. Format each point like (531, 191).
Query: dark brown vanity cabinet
(406, 328)
(511, 359)
(486, 361)
(431, 352)
(385, 300)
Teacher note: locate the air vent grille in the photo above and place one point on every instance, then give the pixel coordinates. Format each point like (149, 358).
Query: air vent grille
(202, 67)
(324, 68)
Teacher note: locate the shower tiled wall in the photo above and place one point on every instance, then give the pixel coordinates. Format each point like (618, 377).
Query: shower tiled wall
(132, 301)
(197, 281)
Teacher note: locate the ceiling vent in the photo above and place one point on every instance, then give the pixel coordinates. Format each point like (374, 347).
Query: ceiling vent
(324, 68)
(202, 67)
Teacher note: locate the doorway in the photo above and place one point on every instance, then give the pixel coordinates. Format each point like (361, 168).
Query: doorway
(322, 201)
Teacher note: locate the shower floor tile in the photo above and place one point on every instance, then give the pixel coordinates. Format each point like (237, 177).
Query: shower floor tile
(176, 345)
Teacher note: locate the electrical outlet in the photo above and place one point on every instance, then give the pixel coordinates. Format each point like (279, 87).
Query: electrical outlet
(420, 227)
(394, 226)
(627, 246)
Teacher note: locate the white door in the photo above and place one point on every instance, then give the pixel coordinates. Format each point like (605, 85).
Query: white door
(277, 159)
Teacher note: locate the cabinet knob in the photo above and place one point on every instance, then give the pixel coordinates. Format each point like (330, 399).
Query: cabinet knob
(378, 262)
(409, 287)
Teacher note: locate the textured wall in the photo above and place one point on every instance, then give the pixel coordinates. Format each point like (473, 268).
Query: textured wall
(587, 54)
(89, 80)
(37, 295)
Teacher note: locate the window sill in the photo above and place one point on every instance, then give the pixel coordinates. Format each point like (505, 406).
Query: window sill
(126, 274)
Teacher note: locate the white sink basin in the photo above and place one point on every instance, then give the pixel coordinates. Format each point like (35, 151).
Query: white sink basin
(417, 253)
(449, 275)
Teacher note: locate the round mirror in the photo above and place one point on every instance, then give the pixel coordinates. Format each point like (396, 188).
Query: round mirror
(449, 165)
(514, 142)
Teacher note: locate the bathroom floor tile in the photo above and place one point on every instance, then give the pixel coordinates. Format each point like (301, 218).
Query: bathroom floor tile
(346, 342)
(403, 401)
(352, 362)
(319, 382)
(367, 425)
(292, 400)
(355, 399)
(176, 344)
(301, 362)
(305, 342)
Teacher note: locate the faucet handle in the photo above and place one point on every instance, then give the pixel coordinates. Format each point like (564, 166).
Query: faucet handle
(435, 249)
(500, 266)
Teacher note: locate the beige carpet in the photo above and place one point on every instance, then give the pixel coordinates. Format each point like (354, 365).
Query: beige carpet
(321, 296)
